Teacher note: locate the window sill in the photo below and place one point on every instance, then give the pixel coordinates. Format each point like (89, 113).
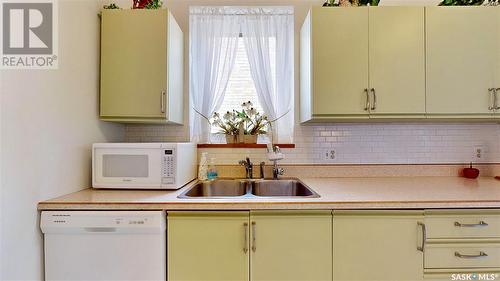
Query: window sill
(242, 145)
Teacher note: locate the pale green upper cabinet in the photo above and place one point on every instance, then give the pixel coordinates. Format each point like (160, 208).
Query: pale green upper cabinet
(141, 67)
(397, 62)
(291, 245)
(377, 245)
(497, 76)
(206, 246)
(335, 65)
(363, 63)
(462, 59)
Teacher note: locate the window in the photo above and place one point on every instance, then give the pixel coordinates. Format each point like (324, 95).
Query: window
(234, 58)
(241, 87)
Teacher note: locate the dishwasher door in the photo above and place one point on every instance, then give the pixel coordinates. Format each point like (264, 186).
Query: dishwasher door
(104, 245)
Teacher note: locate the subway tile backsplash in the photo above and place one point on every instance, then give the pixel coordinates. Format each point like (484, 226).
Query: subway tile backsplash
(397, 143)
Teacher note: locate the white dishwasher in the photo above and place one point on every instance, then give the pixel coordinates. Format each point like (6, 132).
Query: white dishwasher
(104, 245)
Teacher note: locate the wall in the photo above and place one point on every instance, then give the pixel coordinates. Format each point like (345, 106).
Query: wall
(368, 144)
(48, 123)
(353, 143)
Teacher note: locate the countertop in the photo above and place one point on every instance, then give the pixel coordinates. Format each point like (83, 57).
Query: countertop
(336, 193)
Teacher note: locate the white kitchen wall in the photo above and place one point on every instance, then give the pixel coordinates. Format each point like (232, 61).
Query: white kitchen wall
(393, 143)
(49, 120)
(353, 143)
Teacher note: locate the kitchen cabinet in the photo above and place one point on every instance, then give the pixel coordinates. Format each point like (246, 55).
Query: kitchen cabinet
(378, 245)
(275, 245)
(362, 63)
(335, 64)
(207, 246)
(291, 245)
(462, 59)
(396, 62)
(465, 242)
(141, 67)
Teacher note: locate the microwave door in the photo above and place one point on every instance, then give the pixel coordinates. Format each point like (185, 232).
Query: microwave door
(122, 168)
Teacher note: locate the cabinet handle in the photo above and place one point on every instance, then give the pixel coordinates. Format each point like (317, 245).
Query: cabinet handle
(424, 236)
(374, 105)
(162, 101)
(493, 98)
(245, 233)
(254, 237)
(480, 224)
(496, 98)
(367, 104)
(481, 255)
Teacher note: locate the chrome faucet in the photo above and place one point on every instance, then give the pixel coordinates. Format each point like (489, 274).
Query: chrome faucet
(274, 155)
(277, 170)
(248, 167)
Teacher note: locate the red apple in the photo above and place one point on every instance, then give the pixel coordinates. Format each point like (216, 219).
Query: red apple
(470, 173)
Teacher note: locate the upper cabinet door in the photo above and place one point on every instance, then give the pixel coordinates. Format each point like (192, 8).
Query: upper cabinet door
(141, 67)
(497, 59)
(291, 245)
(339, 50)
(133, 63)
(461, 60)
(397, 61)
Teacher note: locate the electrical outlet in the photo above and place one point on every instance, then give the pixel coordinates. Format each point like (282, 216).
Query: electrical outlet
(478, 153)
(329, 154)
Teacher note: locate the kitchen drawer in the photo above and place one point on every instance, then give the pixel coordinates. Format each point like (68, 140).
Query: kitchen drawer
(471, 255)
(468, 224)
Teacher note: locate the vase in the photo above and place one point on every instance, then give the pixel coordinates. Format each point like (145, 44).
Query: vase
(231, 138)
(250, 139)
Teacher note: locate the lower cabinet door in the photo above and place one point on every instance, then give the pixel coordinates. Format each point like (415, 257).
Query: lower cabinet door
(208, 246)
(377, 245)
(291, 245)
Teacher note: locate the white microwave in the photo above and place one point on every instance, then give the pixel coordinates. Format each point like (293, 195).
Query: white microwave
(143, 165)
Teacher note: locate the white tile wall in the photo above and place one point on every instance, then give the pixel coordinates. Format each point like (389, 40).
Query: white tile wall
(401, 143)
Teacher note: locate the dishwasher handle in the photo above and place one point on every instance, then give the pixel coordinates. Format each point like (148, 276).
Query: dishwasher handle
(100, 229)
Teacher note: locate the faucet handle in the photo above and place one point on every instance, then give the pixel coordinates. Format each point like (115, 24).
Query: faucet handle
(280, 171)
(242, 162)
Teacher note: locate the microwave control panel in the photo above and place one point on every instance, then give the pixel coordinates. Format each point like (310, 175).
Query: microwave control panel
(168, 167)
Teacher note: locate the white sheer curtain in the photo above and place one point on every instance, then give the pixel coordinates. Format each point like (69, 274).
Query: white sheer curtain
(262, 27)
(213, 38)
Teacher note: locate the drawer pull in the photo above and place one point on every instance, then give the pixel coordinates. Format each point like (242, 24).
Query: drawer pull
(480, 224)
(481, 255)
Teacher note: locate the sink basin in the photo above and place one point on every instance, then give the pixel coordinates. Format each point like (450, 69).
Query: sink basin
(243, 188)
(217, 188)
(282, 188)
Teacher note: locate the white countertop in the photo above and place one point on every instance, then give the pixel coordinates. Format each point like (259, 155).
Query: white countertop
(336, 193)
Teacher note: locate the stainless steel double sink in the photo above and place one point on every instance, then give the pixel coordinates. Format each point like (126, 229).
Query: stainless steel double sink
(244, 188)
